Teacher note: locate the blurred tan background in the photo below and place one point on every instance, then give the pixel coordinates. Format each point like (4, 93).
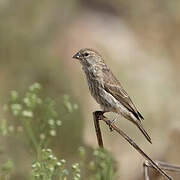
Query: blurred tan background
(139, 41)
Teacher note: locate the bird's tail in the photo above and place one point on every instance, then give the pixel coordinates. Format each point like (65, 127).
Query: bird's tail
(139, 125)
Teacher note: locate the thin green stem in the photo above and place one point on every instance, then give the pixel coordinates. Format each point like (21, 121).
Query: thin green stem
(28, 126)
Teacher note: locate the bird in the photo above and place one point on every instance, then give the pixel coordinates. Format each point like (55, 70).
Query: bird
(106, 88)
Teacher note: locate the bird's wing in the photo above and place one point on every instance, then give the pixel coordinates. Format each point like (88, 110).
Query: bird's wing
(113, 86)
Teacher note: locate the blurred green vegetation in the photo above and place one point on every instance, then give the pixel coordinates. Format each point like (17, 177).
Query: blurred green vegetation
(34, 121)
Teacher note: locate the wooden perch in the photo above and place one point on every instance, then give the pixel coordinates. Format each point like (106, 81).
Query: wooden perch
(99, 115)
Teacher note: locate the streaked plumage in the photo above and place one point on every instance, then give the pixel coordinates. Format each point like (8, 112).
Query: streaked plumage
(106, 89)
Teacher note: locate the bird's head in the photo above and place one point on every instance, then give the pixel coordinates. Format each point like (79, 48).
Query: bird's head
(88, 57)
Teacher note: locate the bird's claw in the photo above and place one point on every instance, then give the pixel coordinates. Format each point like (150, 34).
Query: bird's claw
(110, 125)
(112, 121)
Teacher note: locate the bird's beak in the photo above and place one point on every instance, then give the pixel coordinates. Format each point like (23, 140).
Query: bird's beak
(77, 56)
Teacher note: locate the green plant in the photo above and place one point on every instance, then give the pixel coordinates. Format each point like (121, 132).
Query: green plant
(102, 166)
(49, 167)
(34, 115)
(34, 119)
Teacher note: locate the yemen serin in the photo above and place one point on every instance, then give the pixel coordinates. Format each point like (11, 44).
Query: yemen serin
(107, 90)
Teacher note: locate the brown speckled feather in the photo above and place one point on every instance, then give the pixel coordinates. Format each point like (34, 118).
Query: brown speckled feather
(113, 86)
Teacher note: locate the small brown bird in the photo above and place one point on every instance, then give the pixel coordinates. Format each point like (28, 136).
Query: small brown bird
(106, 89)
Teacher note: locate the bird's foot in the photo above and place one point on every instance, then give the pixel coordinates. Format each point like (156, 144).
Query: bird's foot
(110, 125)
(113, 121)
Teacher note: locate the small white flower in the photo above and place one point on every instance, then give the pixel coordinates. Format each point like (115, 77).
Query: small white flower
(27, 113)
(52, 132)
(59, 123)
(49, 150)
(51, 122)
(42, 136)
(35, 86)
(78, 175)
(16, 108)
(51, 156)
(34, 165)
(51, 169)
(26, 101)
(58, 164)
(54, 158)
(63, 161)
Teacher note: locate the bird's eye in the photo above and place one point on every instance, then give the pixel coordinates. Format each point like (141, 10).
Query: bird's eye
(86, 54)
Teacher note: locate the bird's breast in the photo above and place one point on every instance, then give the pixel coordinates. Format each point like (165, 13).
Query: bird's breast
(96, 87)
